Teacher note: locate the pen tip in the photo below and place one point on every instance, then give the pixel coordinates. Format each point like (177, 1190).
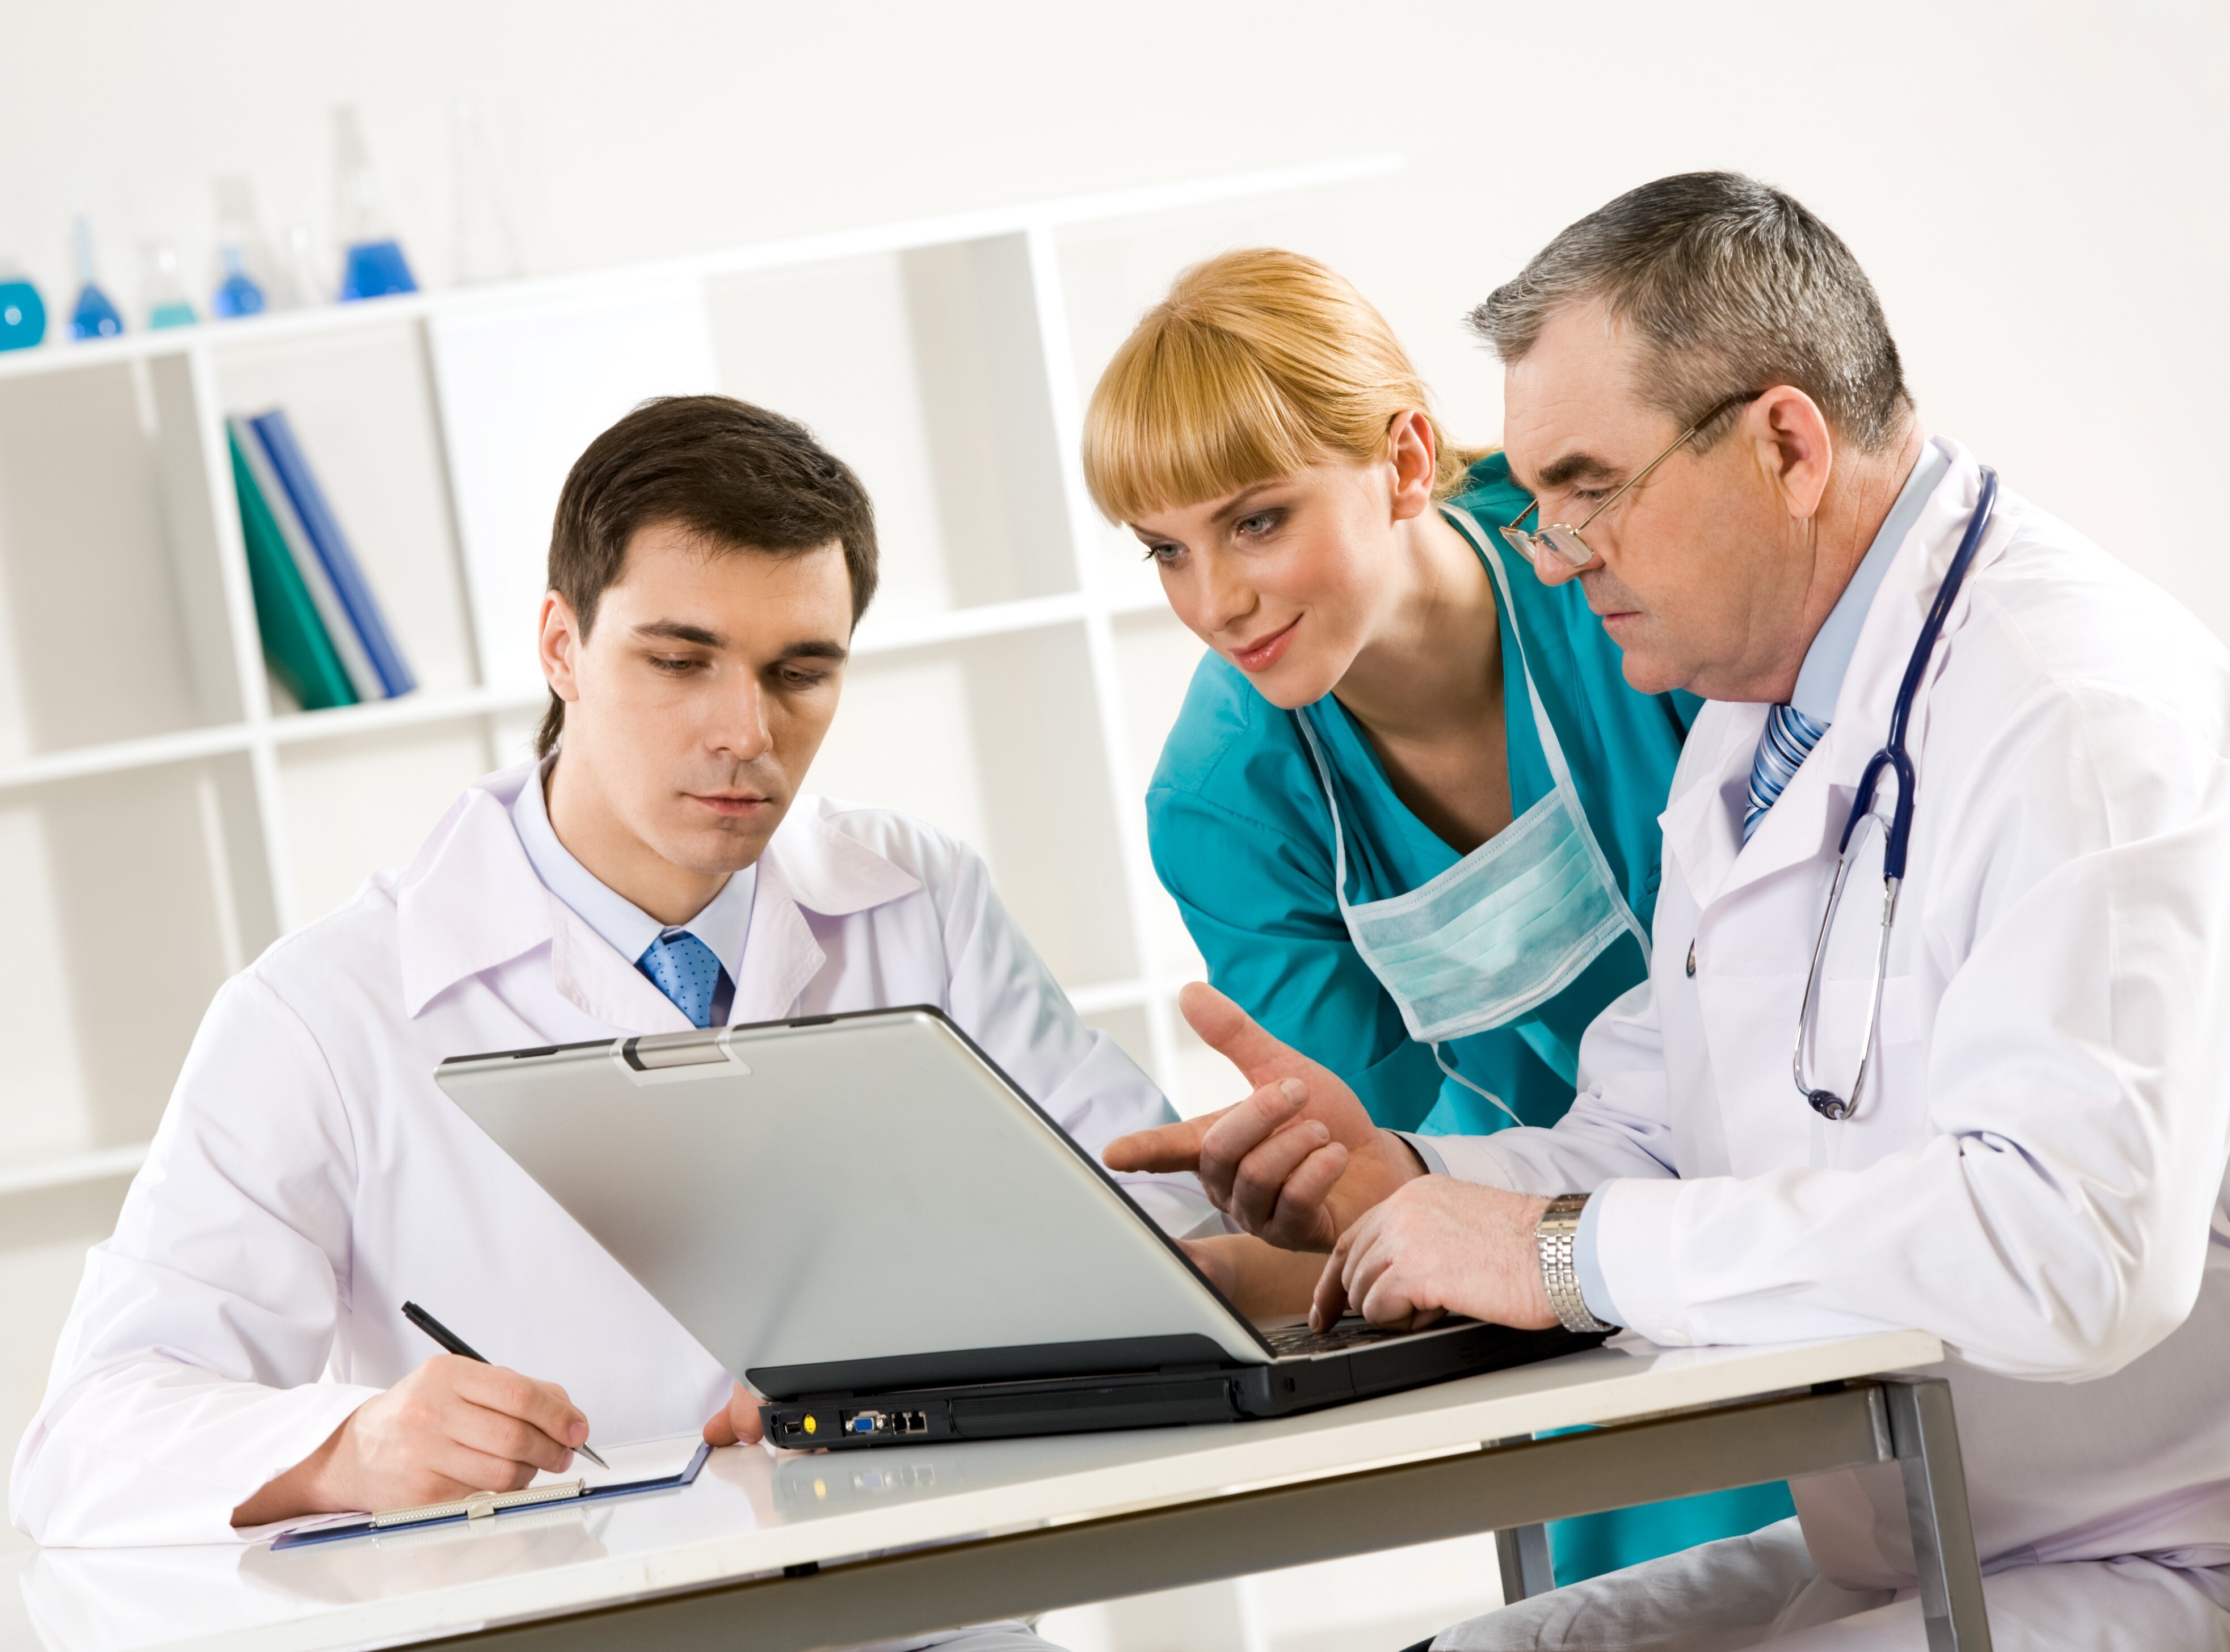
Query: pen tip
(586, 1451)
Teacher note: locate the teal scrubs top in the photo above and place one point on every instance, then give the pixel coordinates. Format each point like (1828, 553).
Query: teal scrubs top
(1242, 839)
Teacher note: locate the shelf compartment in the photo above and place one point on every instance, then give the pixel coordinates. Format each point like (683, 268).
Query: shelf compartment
(922, 369)
(362, 405)
(1113, 270)
(128, 899)
(1155, 659)
(524, 391)
(1129, 1028)
(358, 803)
(997, 743)
(111, 598)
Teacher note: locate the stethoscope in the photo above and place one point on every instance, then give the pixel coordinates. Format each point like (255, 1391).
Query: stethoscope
(1863, 822)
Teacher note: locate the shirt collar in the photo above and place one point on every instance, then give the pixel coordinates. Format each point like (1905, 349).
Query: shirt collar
(724, 925)
(1819, 683)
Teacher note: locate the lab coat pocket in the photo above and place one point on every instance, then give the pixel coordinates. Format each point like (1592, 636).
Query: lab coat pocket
(1895, 1076)
(1839, 1022)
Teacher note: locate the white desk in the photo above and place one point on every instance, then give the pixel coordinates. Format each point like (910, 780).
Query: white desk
(800, 1552)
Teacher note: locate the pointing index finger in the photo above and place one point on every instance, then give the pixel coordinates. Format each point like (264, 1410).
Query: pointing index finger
(1164, 1147)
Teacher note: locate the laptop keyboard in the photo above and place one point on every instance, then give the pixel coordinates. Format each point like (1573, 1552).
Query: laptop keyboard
(1353, 1331)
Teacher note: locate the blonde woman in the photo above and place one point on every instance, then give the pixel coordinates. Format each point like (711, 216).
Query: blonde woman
(1409, 808)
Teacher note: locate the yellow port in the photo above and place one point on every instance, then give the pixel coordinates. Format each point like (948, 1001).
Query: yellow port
(811, 1427)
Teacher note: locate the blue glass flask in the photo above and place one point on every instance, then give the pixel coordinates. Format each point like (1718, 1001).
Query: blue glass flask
(93, 316)
(372, 264)
(371, 269)
(237, 294)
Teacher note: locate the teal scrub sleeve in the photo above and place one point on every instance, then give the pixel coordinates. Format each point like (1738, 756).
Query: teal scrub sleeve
(1259, 904)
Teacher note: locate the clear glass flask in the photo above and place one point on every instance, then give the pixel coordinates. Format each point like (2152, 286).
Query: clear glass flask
(486, 244)
(372, 264)
(304, 272)
(163, 283)
(247, 271)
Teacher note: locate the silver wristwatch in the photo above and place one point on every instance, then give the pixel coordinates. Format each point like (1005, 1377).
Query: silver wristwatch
(1554, 1236)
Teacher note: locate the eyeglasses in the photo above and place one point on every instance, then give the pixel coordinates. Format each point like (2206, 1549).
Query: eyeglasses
(1563, 541)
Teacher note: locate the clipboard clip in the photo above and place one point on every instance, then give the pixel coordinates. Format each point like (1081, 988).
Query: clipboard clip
(480, 1504)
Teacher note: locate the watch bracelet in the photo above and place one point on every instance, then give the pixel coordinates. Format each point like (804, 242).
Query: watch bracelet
(1556, 1237)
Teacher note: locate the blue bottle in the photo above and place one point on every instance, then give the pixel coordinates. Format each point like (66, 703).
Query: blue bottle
(22, 313)
(373, 269)
(94, 316)
(372, 264)
(237, 294)
(251, 277)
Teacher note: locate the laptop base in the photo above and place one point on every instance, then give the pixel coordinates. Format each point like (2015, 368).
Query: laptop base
(1167, 1397)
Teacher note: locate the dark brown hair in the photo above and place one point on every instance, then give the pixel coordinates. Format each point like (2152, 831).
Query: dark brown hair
(746, 480)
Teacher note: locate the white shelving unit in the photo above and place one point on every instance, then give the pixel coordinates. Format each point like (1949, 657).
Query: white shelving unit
(163, 816)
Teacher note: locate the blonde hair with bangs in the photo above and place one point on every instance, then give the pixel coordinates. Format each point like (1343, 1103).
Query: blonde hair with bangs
(1260, 363)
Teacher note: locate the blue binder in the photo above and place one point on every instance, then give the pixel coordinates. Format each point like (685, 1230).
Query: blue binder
(490, 1505)
(277, 436)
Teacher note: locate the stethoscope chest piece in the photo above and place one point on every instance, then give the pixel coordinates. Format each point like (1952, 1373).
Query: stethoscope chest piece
(1829, 1106)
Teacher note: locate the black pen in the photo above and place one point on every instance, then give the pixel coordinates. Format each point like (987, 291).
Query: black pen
(452, 1343)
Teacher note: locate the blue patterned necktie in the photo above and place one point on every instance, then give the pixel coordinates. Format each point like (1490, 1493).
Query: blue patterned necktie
(1788, 741)
(683, 968)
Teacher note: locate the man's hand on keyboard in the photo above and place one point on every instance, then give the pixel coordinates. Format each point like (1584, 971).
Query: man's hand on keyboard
(1440, 1246)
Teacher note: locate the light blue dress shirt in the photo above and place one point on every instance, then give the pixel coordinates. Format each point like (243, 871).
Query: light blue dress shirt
(1819, 685)
(724, 925)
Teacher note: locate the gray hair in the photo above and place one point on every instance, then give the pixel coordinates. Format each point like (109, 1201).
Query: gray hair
(1730, 285)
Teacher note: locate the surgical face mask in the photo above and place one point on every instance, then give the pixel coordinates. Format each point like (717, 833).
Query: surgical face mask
(1510, 925)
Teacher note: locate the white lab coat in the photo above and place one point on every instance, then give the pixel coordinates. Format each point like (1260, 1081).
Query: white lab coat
(2038, 1176)
(308, 1176)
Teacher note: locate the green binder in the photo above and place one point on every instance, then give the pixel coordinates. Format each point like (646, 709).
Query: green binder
(296, 644)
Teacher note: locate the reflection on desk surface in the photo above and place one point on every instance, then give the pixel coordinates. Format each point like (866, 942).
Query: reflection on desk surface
(849, 1479)
(389, 1563)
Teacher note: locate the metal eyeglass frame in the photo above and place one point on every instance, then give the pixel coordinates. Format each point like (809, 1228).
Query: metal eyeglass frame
(1549, 541)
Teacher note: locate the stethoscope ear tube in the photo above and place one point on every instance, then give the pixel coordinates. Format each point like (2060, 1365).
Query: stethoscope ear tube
(1924, 649)
(1894, 757)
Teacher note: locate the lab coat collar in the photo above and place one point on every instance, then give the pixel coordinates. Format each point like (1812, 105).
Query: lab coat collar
(810, 865)
(470, 902)
(1702, 824)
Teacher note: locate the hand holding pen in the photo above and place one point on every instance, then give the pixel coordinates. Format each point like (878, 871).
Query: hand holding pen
(452, 1343)
(454, 1425)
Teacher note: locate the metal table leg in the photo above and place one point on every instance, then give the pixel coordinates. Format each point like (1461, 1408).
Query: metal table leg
(1523, 1552)
(1925, 1437)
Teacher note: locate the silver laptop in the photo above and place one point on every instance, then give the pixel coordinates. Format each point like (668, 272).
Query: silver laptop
(864, 1219)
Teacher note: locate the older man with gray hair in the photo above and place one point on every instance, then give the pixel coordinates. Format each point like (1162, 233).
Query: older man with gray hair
(2008, 1121)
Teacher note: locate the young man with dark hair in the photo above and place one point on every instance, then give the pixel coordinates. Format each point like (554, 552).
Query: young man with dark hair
(655, 868)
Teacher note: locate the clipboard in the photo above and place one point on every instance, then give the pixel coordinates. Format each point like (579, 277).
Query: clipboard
(490, 1505)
